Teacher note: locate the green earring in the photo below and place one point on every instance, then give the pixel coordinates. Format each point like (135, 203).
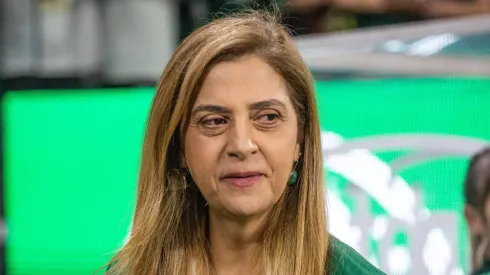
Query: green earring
(293, 177)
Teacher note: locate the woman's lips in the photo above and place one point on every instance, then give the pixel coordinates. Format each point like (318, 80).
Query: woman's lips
(244, 181)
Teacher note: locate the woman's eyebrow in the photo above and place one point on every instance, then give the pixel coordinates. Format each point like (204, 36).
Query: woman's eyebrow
(267, 103)
(224, 110)
(210, 108)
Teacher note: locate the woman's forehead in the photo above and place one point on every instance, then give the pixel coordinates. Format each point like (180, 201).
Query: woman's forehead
(249, 79)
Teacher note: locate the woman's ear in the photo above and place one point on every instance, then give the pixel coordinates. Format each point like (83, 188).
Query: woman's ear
(300, 137)
(474, 220)
(297, 152)
(299, 141)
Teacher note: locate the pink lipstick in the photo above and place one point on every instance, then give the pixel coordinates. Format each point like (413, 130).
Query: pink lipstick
(242, 180)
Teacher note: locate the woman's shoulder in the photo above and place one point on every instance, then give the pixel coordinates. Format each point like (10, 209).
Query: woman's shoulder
(346, 261)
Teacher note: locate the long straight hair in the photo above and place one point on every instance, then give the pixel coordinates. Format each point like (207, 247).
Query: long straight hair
(170, 232)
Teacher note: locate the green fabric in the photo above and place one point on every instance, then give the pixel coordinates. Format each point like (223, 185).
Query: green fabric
(484, 269)
(346, 261)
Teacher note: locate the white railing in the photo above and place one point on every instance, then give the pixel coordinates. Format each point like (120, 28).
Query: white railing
(365, 51)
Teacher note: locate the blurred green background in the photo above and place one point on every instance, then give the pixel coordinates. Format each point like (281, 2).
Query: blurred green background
(71, 161)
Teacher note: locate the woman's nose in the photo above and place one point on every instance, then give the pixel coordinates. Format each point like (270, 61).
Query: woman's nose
(241, 143)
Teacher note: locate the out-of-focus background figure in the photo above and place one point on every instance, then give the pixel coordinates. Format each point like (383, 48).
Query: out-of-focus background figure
(477, 210)
(403, 91)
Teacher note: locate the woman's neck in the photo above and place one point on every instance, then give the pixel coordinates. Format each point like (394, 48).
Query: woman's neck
(235, 243)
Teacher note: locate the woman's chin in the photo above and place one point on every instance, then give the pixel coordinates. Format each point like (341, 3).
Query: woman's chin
(245, 212)
(246, 209)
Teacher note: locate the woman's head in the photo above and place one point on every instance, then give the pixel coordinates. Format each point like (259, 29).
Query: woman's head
(233, 116)
(477, 204)
(242, 138)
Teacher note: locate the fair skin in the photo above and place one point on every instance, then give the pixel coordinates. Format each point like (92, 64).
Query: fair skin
(240, 146)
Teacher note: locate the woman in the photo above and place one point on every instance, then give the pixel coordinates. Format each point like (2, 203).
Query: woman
(477, 210)
(231, 179)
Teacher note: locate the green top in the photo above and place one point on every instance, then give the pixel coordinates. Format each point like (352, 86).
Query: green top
(346, 261)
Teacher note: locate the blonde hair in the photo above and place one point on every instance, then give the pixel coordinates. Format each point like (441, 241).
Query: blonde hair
(170, 232)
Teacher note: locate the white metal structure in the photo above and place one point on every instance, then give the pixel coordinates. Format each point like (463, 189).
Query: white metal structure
(449, 47)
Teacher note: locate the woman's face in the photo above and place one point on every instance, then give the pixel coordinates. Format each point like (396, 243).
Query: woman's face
(242, 138)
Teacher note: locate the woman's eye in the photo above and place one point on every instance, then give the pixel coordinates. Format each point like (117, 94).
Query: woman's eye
(213, 122)
(269, 118)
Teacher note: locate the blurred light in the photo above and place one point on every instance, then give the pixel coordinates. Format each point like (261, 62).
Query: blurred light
(424, 214)
(380, 226)
(340, 222)
(432, 44)
(437, 252)
(457, 271)
(394, 46)
(399, 260)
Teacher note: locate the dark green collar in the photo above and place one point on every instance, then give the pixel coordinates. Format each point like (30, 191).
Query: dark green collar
(344, 260)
